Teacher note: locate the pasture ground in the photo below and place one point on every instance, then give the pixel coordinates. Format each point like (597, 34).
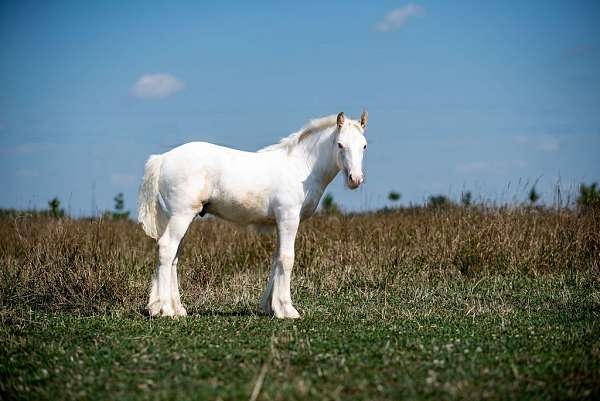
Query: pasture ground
(410, 304)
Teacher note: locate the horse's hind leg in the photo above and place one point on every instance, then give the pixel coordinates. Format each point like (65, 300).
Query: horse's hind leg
(179, 309)
(162, 297)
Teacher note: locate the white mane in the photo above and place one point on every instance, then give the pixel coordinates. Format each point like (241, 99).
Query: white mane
(290, 141)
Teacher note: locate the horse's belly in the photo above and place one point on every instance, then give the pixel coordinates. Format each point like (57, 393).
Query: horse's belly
(249, 208)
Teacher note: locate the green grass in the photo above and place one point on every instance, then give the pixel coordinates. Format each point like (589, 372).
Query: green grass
(491, 339)
(409, 305)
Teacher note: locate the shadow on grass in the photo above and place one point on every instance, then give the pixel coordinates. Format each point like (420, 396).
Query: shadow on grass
(192, 312)
(221, 313)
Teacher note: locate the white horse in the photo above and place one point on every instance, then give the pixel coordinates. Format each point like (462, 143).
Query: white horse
(278, 186)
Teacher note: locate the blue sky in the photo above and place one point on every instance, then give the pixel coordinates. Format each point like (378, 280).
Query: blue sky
(467, 95)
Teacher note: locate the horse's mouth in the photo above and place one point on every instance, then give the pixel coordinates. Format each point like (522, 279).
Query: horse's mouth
(349, 183)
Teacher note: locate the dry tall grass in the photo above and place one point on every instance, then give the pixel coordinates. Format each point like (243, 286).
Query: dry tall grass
(90, 267)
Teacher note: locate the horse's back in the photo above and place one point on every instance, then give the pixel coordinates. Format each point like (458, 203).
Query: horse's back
(232, 184)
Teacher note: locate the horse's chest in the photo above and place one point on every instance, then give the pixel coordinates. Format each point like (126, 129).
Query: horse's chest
(310, 205)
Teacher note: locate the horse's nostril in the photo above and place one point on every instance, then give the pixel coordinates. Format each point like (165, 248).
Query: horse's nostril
(350, 177)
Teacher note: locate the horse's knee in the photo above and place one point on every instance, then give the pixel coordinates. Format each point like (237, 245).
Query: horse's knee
(167, 254)
(286, 259)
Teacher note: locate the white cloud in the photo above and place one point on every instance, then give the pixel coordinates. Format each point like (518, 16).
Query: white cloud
(155, 86)
(122, 179)
(396, 18)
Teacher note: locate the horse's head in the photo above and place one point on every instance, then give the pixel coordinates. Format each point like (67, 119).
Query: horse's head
(350, 148)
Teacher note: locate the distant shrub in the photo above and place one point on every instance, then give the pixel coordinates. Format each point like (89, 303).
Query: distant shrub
(466, 198)
(589, 196)
(394, 196)
(54, 209)
(534, 196)
(329, 206)
(439, 202)
(119, 212)
(13, 212)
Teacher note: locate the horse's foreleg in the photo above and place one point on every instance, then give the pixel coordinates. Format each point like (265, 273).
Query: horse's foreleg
(277, 298)
(162, 295)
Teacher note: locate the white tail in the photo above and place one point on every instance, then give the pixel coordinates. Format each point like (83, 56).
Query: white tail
(150, 212)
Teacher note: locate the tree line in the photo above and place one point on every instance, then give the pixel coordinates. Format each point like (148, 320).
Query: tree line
(588, 198)
(55, 210)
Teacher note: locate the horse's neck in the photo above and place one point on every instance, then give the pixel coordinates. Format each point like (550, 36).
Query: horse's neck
(315, 157)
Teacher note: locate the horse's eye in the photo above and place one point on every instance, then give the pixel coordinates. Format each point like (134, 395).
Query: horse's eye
(340, 145)
(365, 147)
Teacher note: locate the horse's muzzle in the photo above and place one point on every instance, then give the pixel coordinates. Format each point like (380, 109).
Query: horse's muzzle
(354, 181)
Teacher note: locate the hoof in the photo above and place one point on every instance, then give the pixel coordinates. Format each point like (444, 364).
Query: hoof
(158, 309)
(291, 312)
(180, 311)
(280, 311)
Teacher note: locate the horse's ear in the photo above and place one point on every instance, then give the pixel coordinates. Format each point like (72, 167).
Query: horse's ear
(364, 117)
(340, 119)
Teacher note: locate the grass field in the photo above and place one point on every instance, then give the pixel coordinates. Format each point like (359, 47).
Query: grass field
(411, 304)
